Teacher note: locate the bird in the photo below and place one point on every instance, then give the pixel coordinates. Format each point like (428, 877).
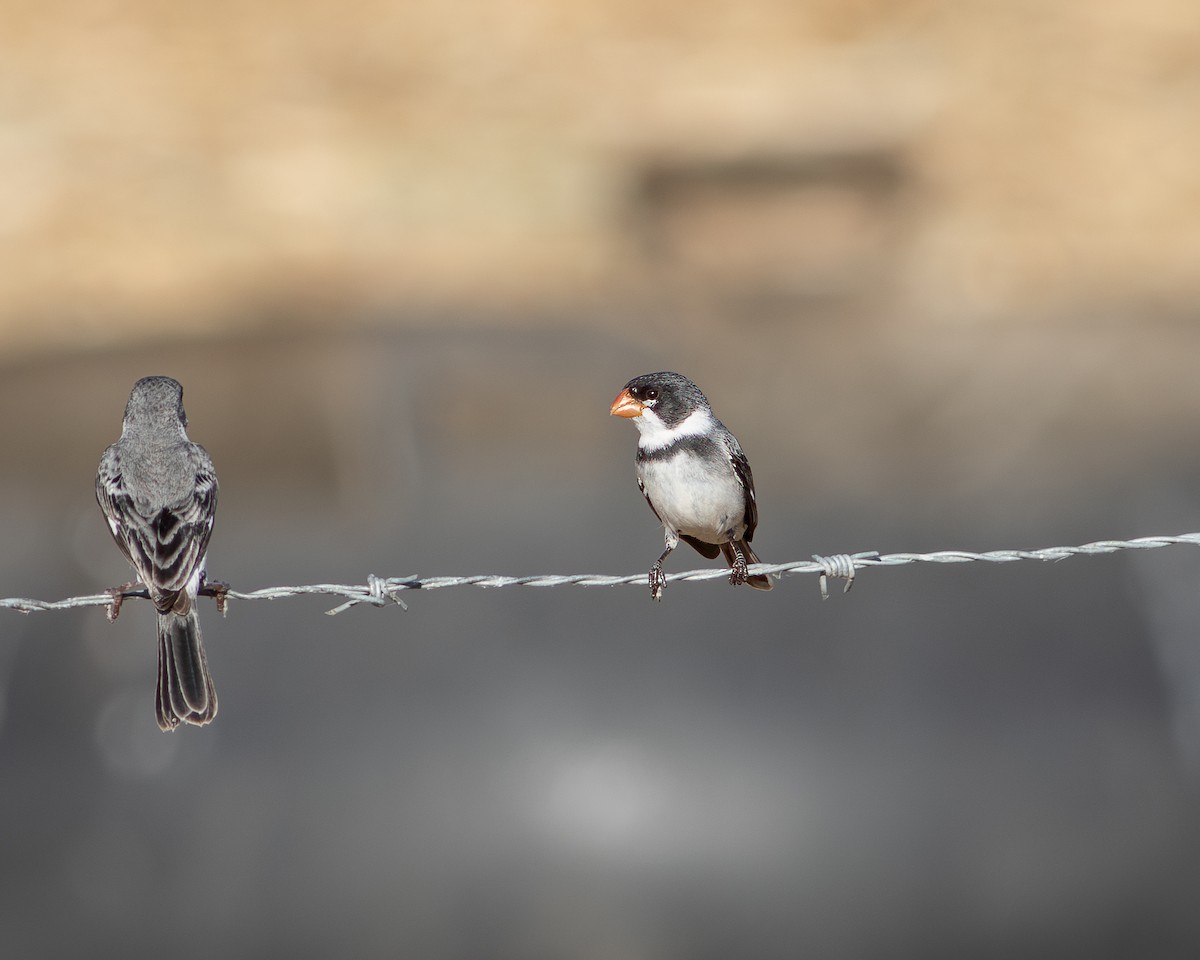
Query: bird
(693, 473)
(158, 491)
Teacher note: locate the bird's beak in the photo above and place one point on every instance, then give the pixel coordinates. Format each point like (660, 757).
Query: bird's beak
(626, 405)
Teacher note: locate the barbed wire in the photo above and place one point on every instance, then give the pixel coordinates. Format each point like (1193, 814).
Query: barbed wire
(380, 591)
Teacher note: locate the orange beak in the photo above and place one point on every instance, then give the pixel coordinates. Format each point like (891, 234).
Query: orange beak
(626, 405)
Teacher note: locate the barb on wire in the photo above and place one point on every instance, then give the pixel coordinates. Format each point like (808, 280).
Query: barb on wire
(380, 591)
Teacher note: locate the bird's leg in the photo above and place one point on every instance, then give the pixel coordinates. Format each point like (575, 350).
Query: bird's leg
(117, 595)
(658, 580)
(217, 589)
(738, 573)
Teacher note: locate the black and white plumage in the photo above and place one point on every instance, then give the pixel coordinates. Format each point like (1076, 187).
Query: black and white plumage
(158, 492)
(693, 473)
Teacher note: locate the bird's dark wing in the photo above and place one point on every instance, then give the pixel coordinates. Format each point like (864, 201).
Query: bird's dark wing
(116, 504)
(166, 548)
(741, 467)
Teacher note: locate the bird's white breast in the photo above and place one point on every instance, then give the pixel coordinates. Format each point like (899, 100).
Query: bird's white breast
(693, 497)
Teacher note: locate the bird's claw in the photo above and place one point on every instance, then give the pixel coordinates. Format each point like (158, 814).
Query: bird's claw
(116, 596)
(739, 572)
(658, 582)
(218, 590)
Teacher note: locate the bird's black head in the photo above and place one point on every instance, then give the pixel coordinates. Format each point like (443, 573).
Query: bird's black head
(672, 396)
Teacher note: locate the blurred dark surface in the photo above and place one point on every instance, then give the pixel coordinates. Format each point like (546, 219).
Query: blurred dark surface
(978, 760)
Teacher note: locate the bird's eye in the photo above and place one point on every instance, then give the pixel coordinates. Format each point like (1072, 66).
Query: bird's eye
(650, 393)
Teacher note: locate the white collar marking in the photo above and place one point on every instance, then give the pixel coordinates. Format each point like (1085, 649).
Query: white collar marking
(655, 435)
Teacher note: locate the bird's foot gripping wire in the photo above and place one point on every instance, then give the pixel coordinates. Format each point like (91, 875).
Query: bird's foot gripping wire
(739, 572)
(117, 595)
(218, 590)
(658, 581)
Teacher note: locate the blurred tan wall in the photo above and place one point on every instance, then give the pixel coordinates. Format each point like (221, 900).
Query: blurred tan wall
(218, 164)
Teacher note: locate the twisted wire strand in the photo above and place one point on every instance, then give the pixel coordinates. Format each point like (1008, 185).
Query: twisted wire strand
(381, 591)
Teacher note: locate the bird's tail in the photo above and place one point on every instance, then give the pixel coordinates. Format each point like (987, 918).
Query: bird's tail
(185, 688)
(759, 581)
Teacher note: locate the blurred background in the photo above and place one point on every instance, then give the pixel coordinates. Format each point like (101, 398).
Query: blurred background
(935, 264)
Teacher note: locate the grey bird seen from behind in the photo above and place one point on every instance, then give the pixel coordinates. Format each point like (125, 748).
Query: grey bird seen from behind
(693, 473)
(158, 492)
